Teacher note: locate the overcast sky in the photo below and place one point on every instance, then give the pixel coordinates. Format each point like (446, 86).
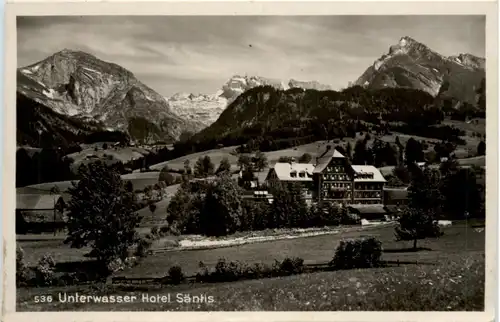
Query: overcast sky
(198, 54)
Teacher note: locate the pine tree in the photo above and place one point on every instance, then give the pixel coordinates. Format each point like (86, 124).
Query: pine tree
(224, 166)
(305, 158)
(260, 161)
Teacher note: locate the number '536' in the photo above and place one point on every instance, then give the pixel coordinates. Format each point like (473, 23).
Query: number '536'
(43, 298)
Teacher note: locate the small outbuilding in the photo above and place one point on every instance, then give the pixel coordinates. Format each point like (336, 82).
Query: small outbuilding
(37, 213)
(369, 212)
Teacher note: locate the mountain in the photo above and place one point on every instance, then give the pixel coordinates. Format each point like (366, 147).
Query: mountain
(308, 85)
(412, 64)
(301, 115)
(79, 86)
(237, 85)
(202, 108)
(206, 108)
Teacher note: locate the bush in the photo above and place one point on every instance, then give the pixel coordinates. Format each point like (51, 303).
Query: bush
(143, 247)
(291, 266)
(233, 271)
(44, 271)
(68, 279)
(175, 274)
(227, 272)
(155, 231)
(164, 230)
(204, 274)
(115, 265)
(258, 270)
(357, 253)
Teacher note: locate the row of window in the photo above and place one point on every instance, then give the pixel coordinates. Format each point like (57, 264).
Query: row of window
(335, 169)
(336, 177)
(365, 194)
(301, 174)
(337, 185)
(336, 194)
(367, 202)
(367, 186)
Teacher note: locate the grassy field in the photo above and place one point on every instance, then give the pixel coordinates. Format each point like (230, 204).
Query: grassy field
(123, 154)
(314, 250)
(459, 238)
(449, 276)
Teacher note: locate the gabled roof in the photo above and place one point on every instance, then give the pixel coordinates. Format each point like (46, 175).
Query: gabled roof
(369, 209)
(324, 159)
(368, 169)
(284, 171)
(36, 201)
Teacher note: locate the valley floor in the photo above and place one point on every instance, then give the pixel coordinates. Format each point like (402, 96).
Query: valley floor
(447, 274)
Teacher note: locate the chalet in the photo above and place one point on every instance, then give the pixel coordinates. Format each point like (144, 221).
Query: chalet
(292, 172)
(336, 180)
(39, 213)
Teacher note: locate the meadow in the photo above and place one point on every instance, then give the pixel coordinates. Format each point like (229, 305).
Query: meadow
(446, 274)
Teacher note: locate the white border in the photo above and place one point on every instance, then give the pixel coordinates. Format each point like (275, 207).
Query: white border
(488, 8)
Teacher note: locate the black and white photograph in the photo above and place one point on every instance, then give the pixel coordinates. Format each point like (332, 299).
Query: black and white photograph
(251, 163)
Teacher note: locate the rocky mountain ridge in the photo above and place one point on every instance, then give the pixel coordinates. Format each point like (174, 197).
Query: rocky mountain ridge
(77, 84)
(412, 64)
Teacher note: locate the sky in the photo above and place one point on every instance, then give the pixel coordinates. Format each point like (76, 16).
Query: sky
(198, 54)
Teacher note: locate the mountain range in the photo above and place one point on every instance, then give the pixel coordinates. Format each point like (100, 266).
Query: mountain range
(72, 94)
(206, 108)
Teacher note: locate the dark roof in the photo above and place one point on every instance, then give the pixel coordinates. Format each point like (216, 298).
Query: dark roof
(324, 159)
(396, 193)
(393, 208)
(369, 209)
(36, 201)
(42, 216)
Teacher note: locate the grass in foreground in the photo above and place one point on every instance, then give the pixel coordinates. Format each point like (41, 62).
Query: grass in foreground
(456, 284)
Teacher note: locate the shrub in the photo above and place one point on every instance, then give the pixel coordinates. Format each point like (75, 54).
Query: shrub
(175, 274)
(203, 274)
(44, 270)
(258, 270)
(164, 230)
(227, 272)
(155, 231)
(68, 279)
(115, 265)
(291, 266)
(143, 247)
(357, 253)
